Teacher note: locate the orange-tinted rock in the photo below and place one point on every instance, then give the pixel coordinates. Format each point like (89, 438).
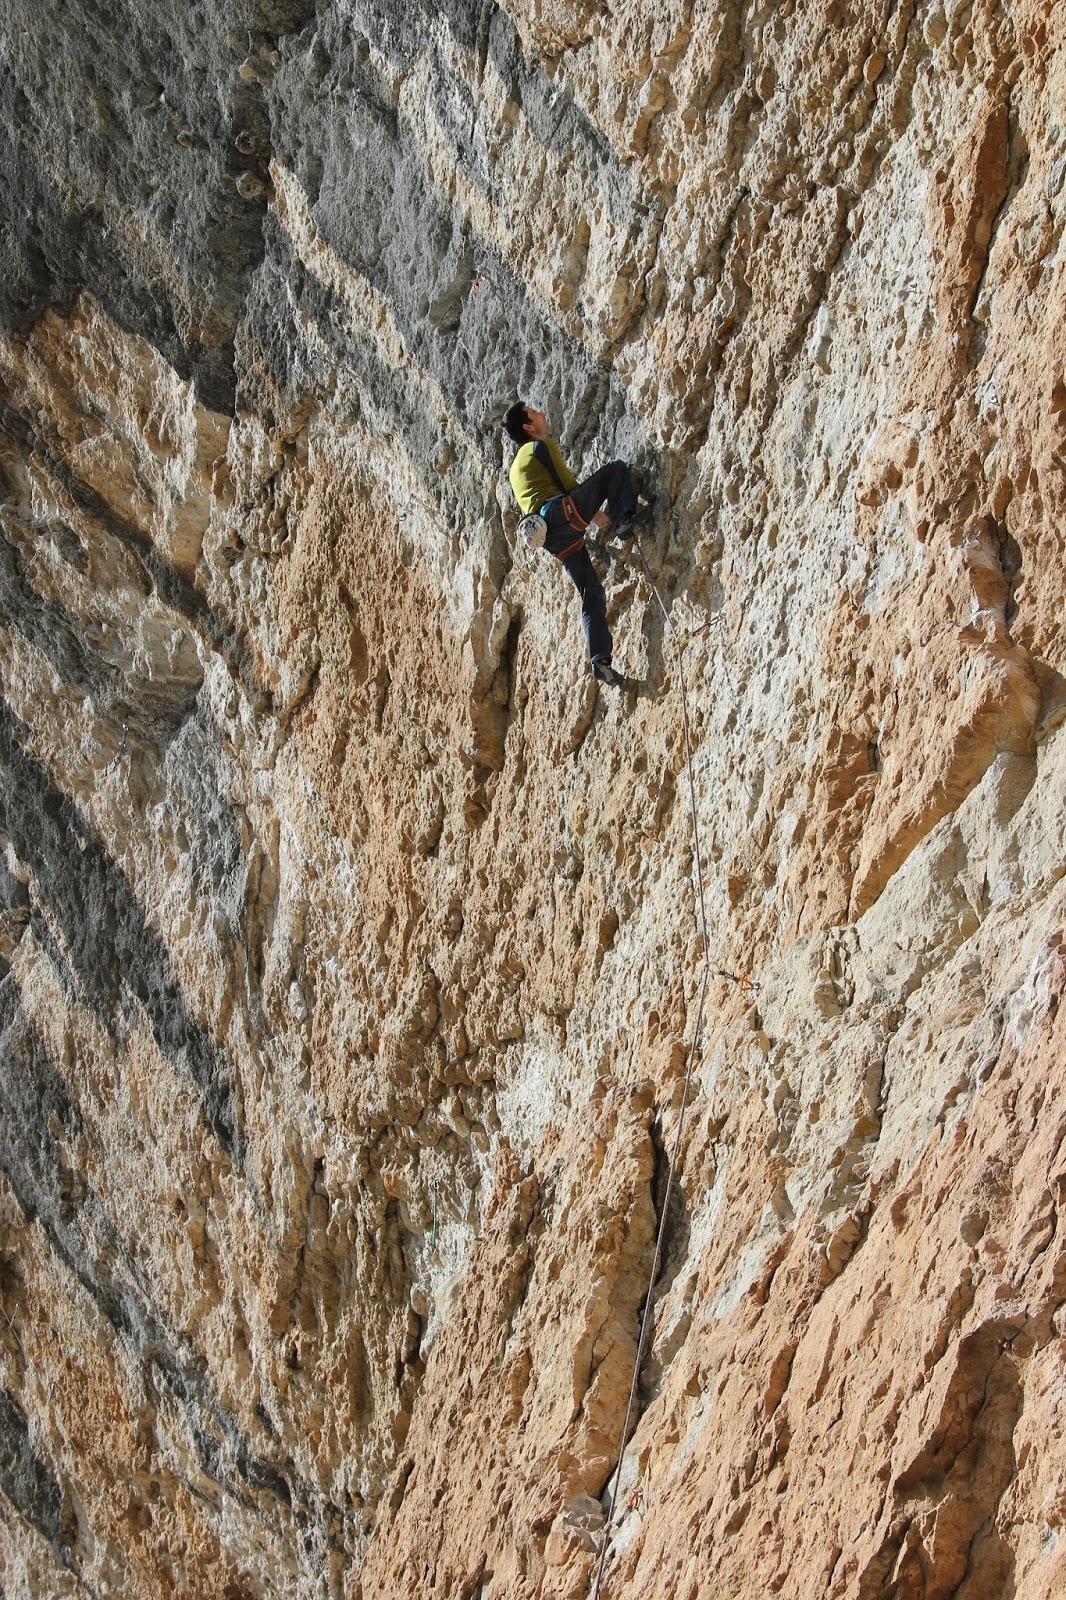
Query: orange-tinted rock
(349, 955)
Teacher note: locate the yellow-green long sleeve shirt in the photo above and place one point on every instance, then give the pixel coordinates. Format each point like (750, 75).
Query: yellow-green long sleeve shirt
(531, 481)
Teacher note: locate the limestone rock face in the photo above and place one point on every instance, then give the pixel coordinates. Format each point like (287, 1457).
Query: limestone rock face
(350, 940)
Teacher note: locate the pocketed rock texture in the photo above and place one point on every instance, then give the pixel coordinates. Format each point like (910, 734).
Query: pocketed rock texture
(349, 943)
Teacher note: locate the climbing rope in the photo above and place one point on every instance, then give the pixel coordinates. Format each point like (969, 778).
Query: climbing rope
(646, 1319)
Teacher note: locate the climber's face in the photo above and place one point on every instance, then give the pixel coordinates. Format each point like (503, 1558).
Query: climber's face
(537, 424)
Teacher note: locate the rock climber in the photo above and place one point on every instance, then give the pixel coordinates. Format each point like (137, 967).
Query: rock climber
(543, 483)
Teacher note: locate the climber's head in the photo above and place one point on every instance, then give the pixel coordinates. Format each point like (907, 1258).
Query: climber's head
(522, 423)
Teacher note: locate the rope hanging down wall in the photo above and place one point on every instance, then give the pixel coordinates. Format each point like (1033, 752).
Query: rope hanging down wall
(646, 1319)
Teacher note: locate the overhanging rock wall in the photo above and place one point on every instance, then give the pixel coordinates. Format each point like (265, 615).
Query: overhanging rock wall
(348, 940)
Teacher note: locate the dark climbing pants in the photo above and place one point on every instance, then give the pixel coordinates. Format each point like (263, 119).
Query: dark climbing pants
(613, 484)
(593, 603)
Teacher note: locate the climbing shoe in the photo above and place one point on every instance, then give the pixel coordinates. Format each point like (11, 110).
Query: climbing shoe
(639, 518)
(603, 672)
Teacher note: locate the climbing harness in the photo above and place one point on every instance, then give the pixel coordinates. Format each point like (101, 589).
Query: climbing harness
(573, 516)
(575, 521)
(570, 550)
(646, 1319)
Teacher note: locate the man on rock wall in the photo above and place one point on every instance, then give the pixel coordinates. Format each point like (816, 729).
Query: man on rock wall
(546, 489)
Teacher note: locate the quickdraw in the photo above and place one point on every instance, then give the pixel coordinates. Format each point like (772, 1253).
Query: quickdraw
(745, 984)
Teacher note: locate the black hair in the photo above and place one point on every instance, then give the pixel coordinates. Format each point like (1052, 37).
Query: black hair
(514, 422)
